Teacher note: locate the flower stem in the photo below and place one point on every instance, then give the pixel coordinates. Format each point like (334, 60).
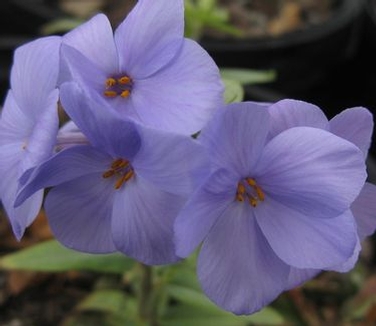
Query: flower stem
(145, 299)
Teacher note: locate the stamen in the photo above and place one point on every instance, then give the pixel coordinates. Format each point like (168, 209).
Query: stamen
(124, 80)
(119, 163)
(108, 174)
(110, 93)
(118, 86)
(125, 93)
(252, 201)
(110, 82)
(260, 193)
(124, 178)
(122, 169)
(248, 188)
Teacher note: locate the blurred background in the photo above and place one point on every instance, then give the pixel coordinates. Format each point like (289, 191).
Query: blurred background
(321, 51)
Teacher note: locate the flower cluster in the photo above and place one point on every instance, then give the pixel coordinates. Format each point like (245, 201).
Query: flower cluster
(274, 192)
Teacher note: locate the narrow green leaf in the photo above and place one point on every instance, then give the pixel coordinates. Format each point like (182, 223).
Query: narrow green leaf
(234, 91)
(50, 256)
(106, 301)
(248, 76)
(196, 308)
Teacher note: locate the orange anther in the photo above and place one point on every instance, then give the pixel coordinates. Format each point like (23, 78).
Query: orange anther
(124, 178)
(253, 201)
(110, 93)
(110, 82)
(125, 93)
(108, 174)
(251, 182)
(124, 80)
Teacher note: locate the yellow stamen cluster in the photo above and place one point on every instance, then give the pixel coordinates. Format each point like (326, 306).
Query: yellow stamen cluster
(249, 189)
(120, 168)
(118, 87)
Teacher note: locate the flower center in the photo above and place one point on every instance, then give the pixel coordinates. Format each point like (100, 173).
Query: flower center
(122, 170)
(249, 190)
(121, 86)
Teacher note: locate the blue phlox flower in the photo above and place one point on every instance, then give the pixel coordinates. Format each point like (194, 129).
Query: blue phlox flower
(145, 70)
(274, 210)
(28, 124)
(123, 190)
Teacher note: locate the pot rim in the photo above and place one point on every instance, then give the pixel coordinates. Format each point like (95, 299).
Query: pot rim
(347, 11)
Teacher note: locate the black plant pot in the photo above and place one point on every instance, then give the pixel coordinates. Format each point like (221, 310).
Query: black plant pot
(301, 58)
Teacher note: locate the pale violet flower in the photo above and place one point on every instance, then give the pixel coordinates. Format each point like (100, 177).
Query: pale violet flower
(123, 190)
(274, 210)
(145, 70)
(28, 124)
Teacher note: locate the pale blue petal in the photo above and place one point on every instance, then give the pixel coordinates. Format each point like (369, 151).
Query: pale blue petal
(103, 128)
(79, 213)
(42, 140)
(173, 163)
(150, 36)
(67, 165)
(35, 72)
(202, 210)
(311, 170)
(183, 95)
(307, 241)
(20, 217)
(364, 210)
(237, 268)
(95, 40)
(236, 136)
(355, 125)
(15, 125)
(286, 114)
(85, 73)
(142, 222)
(298, 276)
(350, 263)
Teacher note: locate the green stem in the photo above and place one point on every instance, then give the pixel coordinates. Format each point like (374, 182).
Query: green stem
(145, 300)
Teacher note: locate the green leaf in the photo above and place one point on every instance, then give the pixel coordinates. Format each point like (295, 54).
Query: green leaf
(248, 76)
(50, 256)
(107, 307)
(61, 25)
(106, 301)
(234, 91)
(194, 308)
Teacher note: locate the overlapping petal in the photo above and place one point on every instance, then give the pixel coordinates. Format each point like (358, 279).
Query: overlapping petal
(35, 72)
(172, 162)
(236, 267)
(142, 222)
(150, 36)
(364, 208)
(309, 177)
(67, 165)
(355, 125)
(304, 241)
(288, 113)
(236, 136)
(95, 40)
(182, 96)
(42, 139)
(202, 211)
(79, 213)
(15, 124)
(104, 129)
